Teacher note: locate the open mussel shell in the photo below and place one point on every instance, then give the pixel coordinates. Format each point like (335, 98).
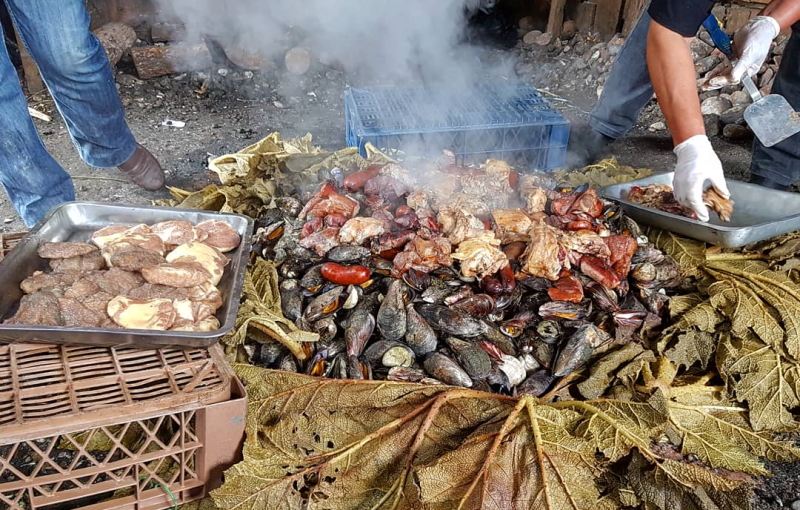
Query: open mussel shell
(446, 370)
(312, 281)
(458, 295)
(498, 338)
(325, 304)
(381, 266)
(417, 280)
(549, 331)
(293, 267)
(564, 310)
(474, 360)
(353, 295)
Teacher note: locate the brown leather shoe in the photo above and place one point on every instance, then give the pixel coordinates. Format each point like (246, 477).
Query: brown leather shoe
(144, 170)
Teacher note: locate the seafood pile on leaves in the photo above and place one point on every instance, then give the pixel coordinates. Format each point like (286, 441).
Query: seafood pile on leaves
(479, 278)
(680, 417)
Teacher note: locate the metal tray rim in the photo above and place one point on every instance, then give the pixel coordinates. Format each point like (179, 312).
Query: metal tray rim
(238, 278)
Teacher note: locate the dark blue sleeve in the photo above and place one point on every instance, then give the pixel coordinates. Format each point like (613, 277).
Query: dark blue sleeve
(681, 16)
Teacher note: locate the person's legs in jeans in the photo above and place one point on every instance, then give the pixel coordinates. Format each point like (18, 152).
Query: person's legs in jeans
(34, 181)
(779, 166)
(626, 92)
(77, 72)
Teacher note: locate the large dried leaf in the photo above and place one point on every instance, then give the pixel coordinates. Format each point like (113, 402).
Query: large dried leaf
(679, 305)
(688, 253)
(745, 309)
(692, 347)
(602, 371)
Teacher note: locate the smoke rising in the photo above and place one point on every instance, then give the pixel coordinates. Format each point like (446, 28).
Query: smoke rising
(396, 41)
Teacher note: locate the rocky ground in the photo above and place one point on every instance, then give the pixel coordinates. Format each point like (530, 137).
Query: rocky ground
(225, 110)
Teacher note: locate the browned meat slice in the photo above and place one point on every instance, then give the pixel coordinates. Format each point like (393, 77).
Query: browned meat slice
(176, 274)
(358, 230)
(98, 302)
(134, 259)
(38, 281)
(157, 314)
(64, 250)
(107, 234)
(175, 232)
(91, 262)
(321, 242)
(116, 282)
(40, 309)
(151, 291)
(541, 258)
(207, 256)
(659, 196)
(81, 289)
(75, 315)
(128, 241)
(202, 326)
(512, 225)
(206, 294)
(220, 235)
(722, 206)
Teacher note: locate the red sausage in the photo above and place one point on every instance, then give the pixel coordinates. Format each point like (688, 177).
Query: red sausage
(506, 275)
(580, 225)
(356, 180)
(513, 178)
(345, 275)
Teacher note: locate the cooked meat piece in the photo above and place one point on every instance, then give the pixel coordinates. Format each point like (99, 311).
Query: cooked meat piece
(425, 252)
(512, 225)
(659, 196)
(622, 249)
(481, 255)
(107, 234)
(150, 291)
(458, 224)
(176, 274)
(91, 262)
(128, 241)
(321, 242)
(207, 294)
(584, 241)
(98, 302)
(468, 203)
(206, 325)
(358, 230)
(722, 206)
(40, 309)
(134, 259)
(419, 199)
(207, 256)
(192, 311)
(64, 250)
(175, 232)
(542, 257)
(157, 314)
(38, 281)
(75, 315)
(220, 235)
(81, 289)
(115, 281)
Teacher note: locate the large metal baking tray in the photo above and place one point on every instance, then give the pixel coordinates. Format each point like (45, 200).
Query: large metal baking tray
(759, 213)
(75, 221)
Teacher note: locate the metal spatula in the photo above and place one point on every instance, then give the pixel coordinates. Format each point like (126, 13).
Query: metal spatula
(771, 117)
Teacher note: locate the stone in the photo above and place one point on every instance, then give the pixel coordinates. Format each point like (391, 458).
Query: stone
(524, 69)
(709, 93)
(715, 105)
(766, 78)
(705, 37)
(729, 89)
(740, 98)
(737, 132)
(706, 64)
(796, 505)
(544, 39)
(733, 115)
(527, 23)
(658, 126)
(711, 123)
(615, 45)
(532, 36)
(569, 29)
(700, 49)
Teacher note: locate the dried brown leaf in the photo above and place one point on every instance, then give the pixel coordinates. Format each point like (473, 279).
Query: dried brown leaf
(602, 371)
(679, 305)
(688, 253)
(692, 347)
(746, 310)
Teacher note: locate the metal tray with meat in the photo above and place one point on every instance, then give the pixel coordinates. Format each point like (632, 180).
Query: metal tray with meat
(117, 275)
(759, 213)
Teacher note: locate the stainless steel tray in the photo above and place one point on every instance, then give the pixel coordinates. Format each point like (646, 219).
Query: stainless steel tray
(75, 221)
(759, 213)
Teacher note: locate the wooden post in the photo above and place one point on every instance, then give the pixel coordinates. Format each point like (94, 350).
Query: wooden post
(606, 19)
(33, 80)
(556, 19)
(152, 61)
(584, 17)
(633, 11)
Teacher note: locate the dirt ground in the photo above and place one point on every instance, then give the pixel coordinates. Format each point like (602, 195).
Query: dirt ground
(238, 109)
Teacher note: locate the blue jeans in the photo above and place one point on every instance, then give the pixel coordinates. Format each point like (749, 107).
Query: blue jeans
(628, 90)
(76, 70)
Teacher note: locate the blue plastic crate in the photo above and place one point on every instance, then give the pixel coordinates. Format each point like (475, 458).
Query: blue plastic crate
(508, 121)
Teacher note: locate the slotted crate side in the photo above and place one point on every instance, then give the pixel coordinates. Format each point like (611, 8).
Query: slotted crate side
(148, 462)
(509, 122)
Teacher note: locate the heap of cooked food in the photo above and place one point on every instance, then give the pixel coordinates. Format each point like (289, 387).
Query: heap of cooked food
(479, 278)
(661, 197)
(158, 277)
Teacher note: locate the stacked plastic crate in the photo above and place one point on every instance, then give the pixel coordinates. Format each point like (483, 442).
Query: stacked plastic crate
(509, 121)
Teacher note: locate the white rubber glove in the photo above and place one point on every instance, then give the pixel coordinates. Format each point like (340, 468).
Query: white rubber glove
(752, 44)
(697, 163)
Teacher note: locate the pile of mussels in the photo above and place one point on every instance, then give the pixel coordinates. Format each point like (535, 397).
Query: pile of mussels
(475, 277)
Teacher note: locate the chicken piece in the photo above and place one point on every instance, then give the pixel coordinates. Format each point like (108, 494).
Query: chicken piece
(38, 309)
(542, 258)
(588, 203)
(321, 242)
(419, 199)
(459, 224)
(481, 255)
(204, 326)
(335, 204)
(176, 232)
(207, 256)
(585, 242)
(64, 250)
(115, 281)
(107, 234)
(391, 241)
(91, 262)
(155, 314)
(220, 235)
(717, 203)
(128, 241)
(176, 274)
(151, 291)
(512, 225)
(358, 230)
(424, 252)
(38, 281)
(535, 200)
(76, 315)
(135, 259)
(459, 201)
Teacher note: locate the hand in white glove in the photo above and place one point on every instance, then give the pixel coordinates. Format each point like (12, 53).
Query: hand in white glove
(751, 46)
(697, 163)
